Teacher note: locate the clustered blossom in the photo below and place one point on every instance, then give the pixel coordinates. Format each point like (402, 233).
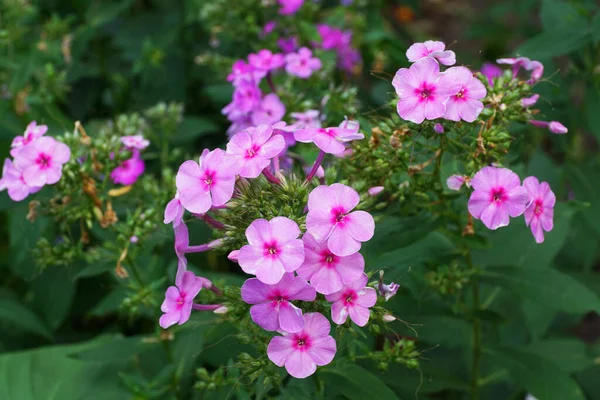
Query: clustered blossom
(37, 161)
(129, 171)
(536, 67)
(348, 58)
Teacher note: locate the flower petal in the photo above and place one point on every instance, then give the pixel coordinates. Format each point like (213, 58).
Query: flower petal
(290, 317)
(300, 365)
(265, 316)
(279, 349)
(254, 291)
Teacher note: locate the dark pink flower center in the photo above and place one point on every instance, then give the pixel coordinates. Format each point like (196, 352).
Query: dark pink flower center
(43, 160)
(498, 195)
(338, 215)
(538, 207)
(461, 95)
(252, 151)
(271, 249)
(349, 297)
(426, 91)
(302, 341)
(209, 178)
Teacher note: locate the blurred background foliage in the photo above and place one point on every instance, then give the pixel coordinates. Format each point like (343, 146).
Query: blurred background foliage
(69, 331)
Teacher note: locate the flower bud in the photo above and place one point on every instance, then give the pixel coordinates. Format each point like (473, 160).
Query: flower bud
(233, 256)
(388, 318)
(529, 101)
(375, 190)
(557, 127)
(221, 310)
(455, 182)
(438, 128)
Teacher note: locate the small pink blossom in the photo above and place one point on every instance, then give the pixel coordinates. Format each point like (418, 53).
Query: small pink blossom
(432, 49)
(273, 249)
(179, 299)
(466, 103)
(307, 120)
(265, 60)
(289, 7)
(268, 111)
(253, 149)
(330, 218)
(246, 97)
(327, 272)
(539, 214)
(207, 183)
(302, 351)
(387, 291)
(553, 126)
(12, 181)
(498, 194)
(455, 182)
(529, 101)
(42, 160)
(536, 67)
(174, 211)
(375, 190)
(288, 45)
(331, 37)
(268, 28)
(329, 140)
(423, 91)
(354, 300)
(135, 142)
(244, 72)
(491, 71)
(33, 131)
(302, 64)
(129, 171)
(271, 308)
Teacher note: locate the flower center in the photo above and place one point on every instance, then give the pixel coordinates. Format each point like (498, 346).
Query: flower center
(329, 258)
(498, 195)
(538, 207)
(460, 94)
(426, 91)
(300, 342)
(251, 152)
(271, 249)
(349, 297)
(43, 160)
(209, 178)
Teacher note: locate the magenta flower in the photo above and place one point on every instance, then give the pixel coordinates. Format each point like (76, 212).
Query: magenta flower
(179, 299)
(529, 101)
(331, 37)
(465, 103)
(307, 120)
(301, 352)
(288, 45)
(41, 161)
(273, 249)
(327, 272)
(129, 171)
(12, 180)
(455, 182)
(268, 111)
(553, 126)
(246, 97)
(302, 64)
(207, 183)
(265, 60)
(536, 67)
(289, 7)
(539, 214)
(330, 219)
(32, 132)
(491, 71)
(353, 299)
(135, 142)
(268, 28)
(432, 49)
(329, 140)
(174, 211)
(253, 149)
(243, 72)
(271, 308)
(498, 194)
(423, 91)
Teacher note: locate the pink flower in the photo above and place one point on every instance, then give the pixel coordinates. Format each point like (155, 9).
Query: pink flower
(327, 272)
(174, 211)
(273, 249)
(135, 142)
(302, 64)
(431, 49)
(553, 126)
(307, 120)
(423, 91)
(302, 351)
(288, 45)
(387, 291)
(179, 299)
(539, 214)
(329, 140)
(41, 161)
(265, 60)
(465, 103)
(331, 37)
(129, 171)
(438, 128)
(243, 72)
(491, 71)
(271, 308)
(498, 194)
(182, 244)
(246, 97)
(353, 299)
(253, 149)
(536, 67)
(289, 7)
(330, 219)
(455, 182)
(209, 183)
(32, 132)
(268, 28)
(529, 101)
(269, 110)
(12, 180)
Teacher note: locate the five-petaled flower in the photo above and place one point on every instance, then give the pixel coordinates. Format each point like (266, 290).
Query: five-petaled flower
(539, 214)
(179, 299)
(466, 103)
(41, 161)
(329, 140)
(353, 300)
(253, 148)
(302, 63)
(432, 49)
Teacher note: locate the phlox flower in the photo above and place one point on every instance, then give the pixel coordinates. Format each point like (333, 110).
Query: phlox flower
(207, 183)
(12, 181)
(174, 211)
(423, 91)
(491, 71)
(268, 111)
(536, 67)
(273, 249)
(432, 49)
(135, 142)
(288, 45)
(268, 28)
(455, 182)
(41, 161)
(301, 352)
(265, 60)
(246, 97)
(353, 300)
(330, 218)
(32, 132)
(329, 140)
(302, 64)
(327, 272)
(331, 37)
(252, 149)
(438, 128)
(498, 194)
(553, 126)
(307, 119)
(387, 291)
(464, 104)
(129, 171)
(244, 72)
(539, 214)
(289, 7)
(529, 101)
(271, 308)
(177, 306)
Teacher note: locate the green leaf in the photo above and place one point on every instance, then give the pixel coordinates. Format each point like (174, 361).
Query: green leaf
(118, 349)
(596, 27)
(542, 167)
(584, 182)
(571, 355)
(559, 15)
(592, 105)
(555, 43)
(354, 382)
(14, 313)
(545, 286)
(538, 318)
(53, 295)
(538, 376)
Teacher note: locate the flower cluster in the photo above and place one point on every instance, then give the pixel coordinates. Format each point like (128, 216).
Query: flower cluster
(128, 172)
(348, 58)
(37, 161)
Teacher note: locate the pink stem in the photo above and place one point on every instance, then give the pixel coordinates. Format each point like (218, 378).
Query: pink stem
(270, 177)
(270, 82)
(206, 307)
(315, 166)
(212, 222)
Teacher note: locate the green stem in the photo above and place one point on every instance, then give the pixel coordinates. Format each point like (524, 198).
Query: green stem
(476, 337)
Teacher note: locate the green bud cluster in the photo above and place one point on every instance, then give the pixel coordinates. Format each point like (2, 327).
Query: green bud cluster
(448, 279)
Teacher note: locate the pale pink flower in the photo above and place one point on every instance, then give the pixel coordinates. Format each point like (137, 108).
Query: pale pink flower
(252, 149)
(539, 214)
(41, 161)
(12, 180)
(273, 249)
(553, 126)
(354, 300)
(207, 183)
(301, 352)
(423, 91)
(465, 103)
(135, 142)
(327, 272)
(455, 182)
(243, 72)
(302, 64)
(32, 132)
(432, 49)
(271, 308)
(265, 60)
(329, 140)
(289, 7)
(307, 120)
(179, 299)
(529, 101)
(128, 172)
(269, 110)
(174, 211)
(330, 218)
(498, 194)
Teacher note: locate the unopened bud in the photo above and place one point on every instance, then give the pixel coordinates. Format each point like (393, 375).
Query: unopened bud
(233, 256)
(375, 190)
(388, 318)
(221, 310)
